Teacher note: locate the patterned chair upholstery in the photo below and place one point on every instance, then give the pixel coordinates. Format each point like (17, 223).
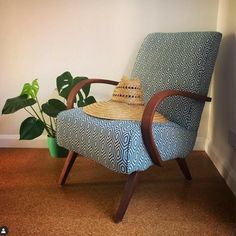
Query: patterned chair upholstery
(166, 62)
(118, 145)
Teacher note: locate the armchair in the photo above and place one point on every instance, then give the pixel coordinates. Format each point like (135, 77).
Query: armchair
(175, 70)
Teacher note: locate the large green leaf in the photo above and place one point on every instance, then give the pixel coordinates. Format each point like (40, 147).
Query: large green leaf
(31, 128)
(14, 104)
(81, 103)
(89, 100)
(86, 89)
(65, 83)
(53, 107)
(31, 89)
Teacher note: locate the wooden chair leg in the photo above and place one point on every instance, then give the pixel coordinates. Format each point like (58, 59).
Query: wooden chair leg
(67, 167)
(127, 195)
(184, 168)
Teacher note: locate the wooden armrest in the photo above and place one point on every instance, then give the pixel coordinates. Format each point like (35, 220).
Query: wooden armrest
(80, 85)
(146, 123)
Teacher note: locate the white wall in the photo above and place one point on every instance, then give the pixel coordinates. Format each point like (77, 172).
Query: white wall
(42, 39)
(222, 116)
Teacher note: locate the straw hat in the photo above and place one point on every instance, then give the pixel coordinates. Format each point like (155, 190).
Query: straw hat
(126, 104)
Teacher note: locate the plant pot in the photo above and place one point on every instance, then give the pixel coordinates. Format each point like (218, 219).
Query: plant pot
(55, 150)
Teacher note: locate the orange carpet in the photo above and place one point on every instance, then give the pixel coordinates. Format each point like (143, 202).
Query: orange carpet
(164, 203)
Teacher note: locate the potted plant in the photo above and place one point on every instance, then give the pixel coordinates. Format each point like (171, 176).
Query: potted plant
(43, 117)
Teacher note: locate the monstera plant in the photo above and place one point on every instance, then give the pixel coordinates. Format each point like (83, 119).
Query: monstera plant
(43, 117)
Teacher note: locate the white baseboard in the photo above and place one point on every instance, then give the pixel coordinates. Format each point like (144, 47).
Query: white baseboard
(12, 141)
(224, 168)
(200, 144)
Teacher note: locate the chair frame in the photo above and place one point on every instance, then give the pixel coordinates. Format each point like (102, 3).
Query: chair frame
(147, 136)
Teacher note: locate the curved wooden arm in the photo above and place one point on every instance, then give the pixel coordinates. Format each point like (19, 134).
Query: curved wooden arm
(146, 123)
(80, 85)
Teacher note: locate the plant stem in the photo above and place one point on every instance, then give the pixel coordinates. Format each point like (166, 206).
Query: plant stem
(50, 118)
(45, 124)
(55, 123)
(43, 120)
(29, 112)
(35, 113)
(51, 125)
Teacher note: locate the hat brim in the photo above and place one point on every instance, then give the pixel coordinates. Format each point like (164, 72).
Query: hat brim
(112, 110)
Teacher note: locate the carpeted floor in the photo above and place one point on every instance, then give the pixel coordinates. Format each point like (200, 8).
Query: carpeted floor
(164, 203)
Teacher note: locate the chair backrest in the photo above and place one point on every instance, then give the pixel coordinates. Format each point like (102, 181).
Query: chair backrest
(181, 61)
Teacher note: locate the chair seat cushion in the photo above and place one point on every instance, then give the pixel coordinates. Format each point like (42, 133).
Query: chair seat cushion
(118, 145)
